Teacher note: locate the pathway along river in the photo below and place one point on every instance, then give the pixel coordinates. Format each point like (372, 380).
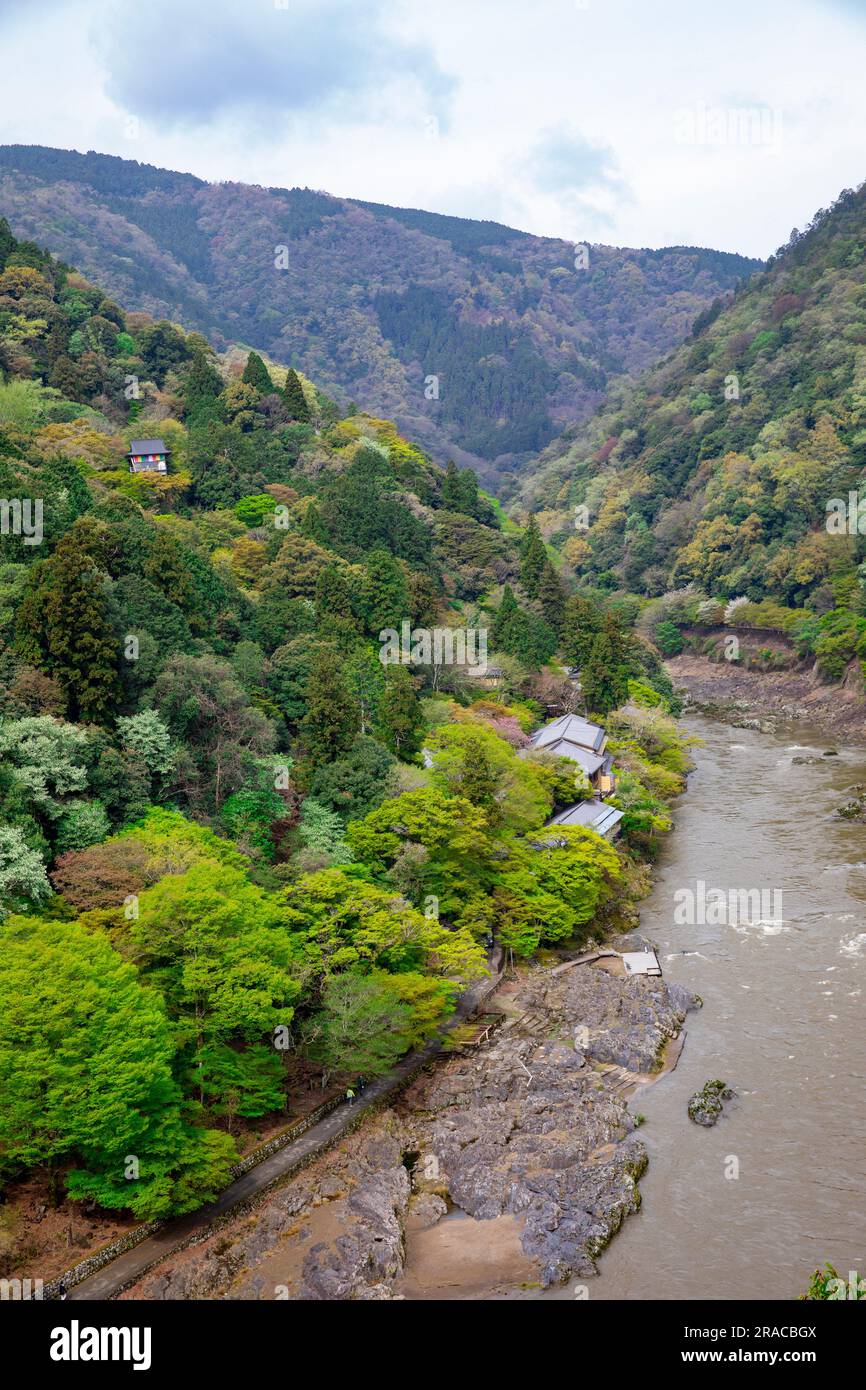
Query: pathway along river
(782, 1024)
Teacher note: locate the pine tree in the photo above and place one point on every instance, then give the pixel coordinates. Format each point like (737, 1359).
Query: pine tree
(256, 374)
(604, 674)
(296, 401)
(551, 596)
(400, 719)
(64, 626)
(331, 721)
(478, 779)
(533, 558)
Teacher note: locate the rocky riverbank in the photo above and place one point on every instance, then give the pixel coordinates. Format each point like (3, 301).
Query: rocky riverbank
(527, 1137)
(764, 699)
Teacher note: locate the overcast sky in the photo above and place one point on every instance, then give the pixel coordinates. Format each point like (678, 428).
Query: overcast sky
(634, 122)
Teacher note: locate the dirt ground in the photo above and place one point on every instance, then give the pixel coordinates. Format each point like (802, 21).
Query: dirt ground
(462, 1258)
(838, 709)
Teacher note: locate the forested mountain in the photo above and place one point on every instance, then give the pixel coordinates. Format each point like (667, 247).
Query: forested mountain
(372, 301)
(729, 474)
(240, 845)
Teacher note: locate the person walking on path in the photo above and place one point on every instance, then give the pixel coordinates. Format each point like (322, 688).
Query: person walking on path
(350, 1095)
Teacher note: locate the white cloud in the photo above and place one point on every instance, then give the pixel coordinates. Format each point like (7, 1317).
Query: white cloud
(560, 119)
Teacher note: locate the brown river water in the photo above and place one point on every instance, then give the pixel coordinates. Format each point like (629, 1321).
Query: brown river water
(782, 1024)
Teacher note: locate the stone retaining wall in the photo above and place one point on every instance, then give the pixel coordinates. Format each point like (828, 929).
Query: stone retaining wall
(97, 1261)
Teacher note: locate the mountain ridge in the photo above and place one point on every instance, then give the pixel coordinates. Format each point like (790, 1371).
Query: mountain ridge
(374, 301)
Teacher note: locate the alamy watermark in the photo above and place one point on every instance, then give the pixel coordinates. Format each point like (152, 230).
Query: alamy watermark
(703, 906)
(436, 646)
(847, 518)
(727, 125)
(22, 516)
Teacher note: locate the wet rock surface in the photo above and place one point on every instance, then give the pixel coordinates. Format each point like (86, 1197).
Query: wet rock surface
(706, 1106)
(529, 1125)
(532, 1123)
(855, 807)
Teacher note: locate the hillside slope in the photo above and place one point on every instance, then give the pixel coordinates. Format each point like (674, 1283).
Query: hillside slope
(724, 470)
(374, 300)
(247, 848)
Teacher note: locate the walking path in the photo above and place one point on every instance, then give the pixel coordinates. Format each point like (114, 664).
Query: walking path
(126, 1268)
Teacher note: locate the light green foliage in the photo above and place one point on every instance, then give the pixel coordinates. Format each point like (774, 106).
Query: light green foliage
(214, 945)
(48, 757)
(23, 880)
(147, 736)
(82, 823)
(344, 922)
(470, 760)
(321, 831)
(86, 1056)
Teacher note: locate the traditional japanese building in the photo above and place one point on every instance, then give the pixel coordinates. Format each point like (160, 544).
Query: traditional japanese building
(583, 742)
(594, 814)
(148, 456)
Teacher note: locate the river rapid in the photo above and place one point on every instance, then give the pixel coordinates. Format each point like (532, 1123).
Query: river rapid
(782, 1024)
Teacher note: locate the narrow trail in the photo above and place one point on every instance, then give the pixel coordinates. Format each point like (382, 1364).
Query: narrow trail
(126, 1268)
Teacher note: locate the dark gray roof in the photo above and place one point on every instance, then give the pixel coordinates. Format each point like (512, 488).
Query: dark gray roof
(147, 446)
(596, 814)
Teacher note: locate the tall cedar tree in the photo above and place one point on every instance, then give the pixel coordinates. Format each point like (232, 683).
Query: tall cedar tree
(505, 615)
(604, 674)
(256, 374)
(203, 383)
(296, 401)
(312, 527)
(581, 626)
(459, 489)
(331, 721)
(64, 627)
(551, 597)
(400, 717)
(533, 558)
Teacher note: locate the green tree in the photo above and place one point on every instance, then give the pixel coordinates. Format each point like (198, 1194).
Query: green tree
(23, 880)
(82, 823)
(668, 638)
(213, 943)
(360, 1027)
(256, 374)
(357, 782)
(218, 732)
(386, 593)
(64, 627)
(582, 624)
(202, 385)
(295, 398)
(331, 721)
(401, 722)
(604, 675)
(552, 598)
(533, 558)
(147, 737)
(365, 680)
(86, 1057)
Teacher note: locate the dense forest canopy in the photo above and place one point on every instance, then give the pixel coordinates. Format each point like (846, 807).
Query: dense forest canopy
(237, 847)
(370, 301)
(721, 484)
